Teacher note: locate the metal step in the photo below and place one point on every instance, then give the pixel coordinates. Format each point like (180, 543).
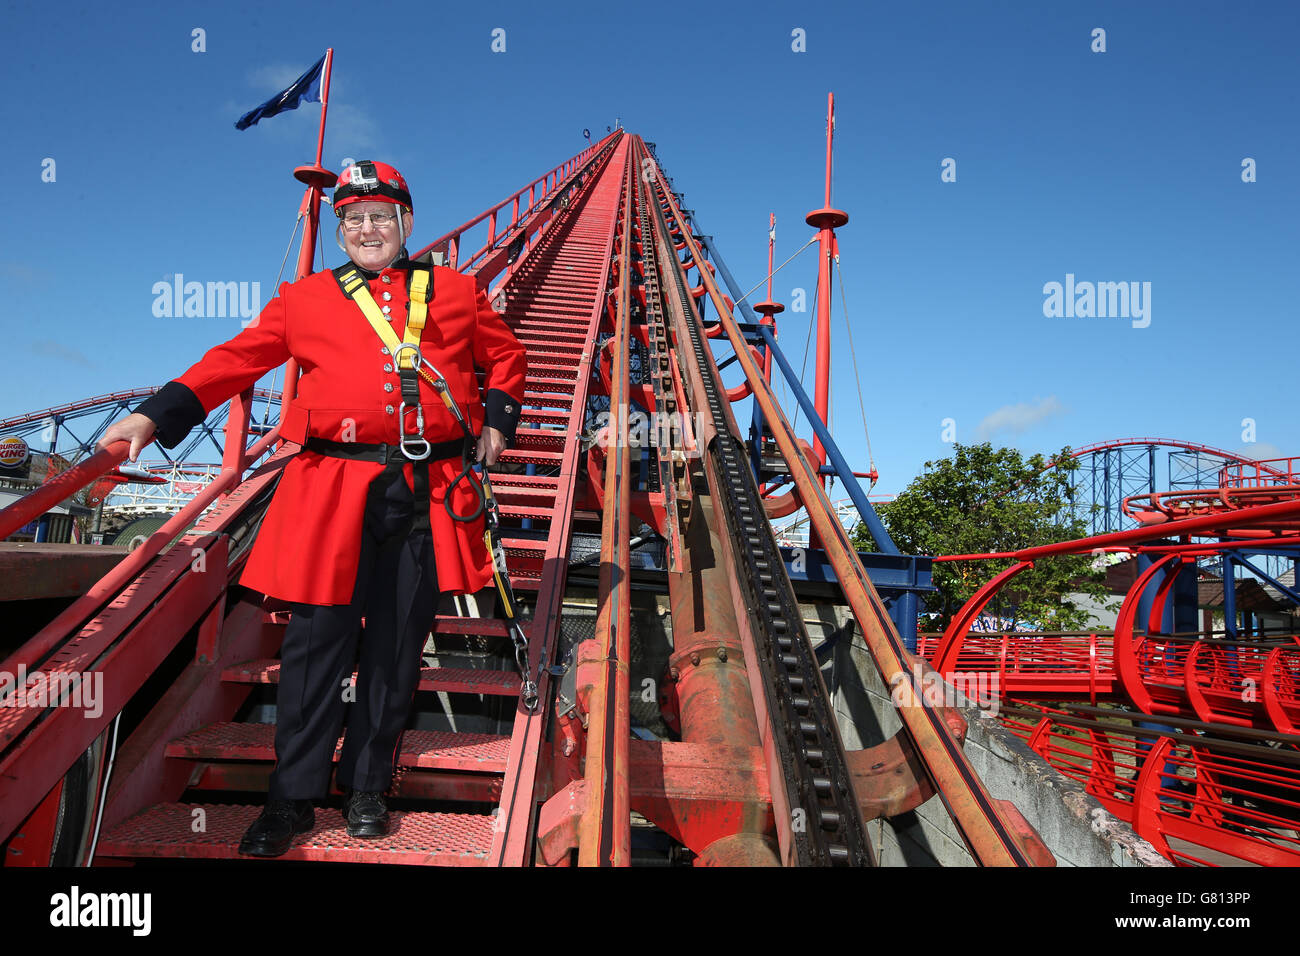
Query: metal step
(526, 511)
(451, 680)
(422, 749)
(536, 456)
(167, 831)
(545, 416)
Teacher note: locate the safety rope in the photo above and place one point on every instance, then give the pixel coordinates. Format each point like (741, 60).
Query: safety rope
(275, 373)
(763, 280)
(853, 352)
(802, 368)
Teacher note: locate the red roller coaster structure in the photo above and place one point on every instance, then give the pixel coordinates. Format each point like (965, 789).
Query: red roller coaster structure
(1192, 736)
(608, 283)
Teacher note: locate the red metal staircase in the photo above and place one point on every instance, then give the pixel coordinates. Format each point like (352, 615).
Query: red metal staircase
(554, 302)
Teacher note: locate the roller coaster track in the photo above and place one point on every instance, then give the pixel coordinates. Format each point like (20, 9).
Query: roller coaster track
(1192, 737)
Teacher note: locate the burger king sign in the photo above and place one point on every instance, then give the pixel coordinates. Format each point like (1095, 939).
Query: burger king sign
(13, 452)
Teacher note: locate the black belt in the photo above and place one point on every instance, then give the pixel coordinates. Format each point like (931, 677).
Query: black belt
(382, 453)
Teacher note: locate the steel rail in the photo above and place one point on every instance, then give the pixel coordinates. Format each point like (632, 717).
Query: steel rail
(604, 834)
(976, 816)
(513, 840)
(818, 818)
(1202, 525)
(73, 617)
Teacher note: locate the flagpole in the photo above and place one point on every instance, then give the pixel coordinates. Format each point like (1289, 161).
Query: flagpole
(324, 102)
(318, 179)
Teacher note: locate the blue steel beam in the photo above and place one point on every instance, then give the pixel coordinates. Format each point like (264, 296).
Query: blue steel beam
(842, 470)
(868, 514)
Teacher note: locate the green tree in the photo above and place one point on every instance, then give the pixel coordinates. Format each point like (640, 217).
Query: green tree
(984, 500)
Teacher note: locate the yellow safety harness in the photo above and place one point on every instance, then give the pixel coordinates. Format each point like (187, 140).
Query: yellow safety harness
(411, 366)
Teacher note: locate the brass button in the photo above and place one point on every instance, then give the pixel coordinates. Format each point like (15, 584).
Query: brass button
(387, 296)
(388, 368)
(388, 386)
(383, 349)
(385, 280)
(387, 309)
(388, 409)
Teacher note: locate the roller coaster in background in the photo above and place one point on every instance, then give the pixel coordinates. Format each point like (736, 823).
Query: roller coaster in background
(621, 303)
(1188, 730)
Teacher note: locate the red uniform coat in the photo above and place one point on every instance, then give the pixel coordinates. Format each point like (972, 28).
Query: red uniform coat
(310, 540)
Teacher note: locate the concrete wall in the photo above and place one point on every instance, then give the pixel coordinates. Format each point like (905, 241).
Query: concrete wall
(1075, 827)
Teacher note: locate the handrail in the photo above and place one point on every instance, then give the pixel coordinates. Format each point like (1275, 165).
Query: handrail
(61, 486)
(68, 483)
(1233, 474)
(1201, 525)
(30, 653)
(450, 242)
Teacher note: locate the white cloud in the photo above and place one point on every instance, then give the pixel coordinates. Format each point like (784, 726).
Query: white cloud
(351, 131)
(1014, 419)
(274, 77)
(1260, 451)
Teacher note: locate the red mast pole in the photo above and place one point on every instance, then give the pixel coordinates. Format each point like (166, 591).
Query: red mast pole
(318, 179)
(825, 220)
(768, 309)
(324, 101)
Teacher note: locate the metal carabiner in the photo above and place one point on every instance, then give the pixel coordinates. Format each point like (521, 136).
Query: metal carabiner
(397, 355)
(444, 390)
(410, 443)
(442, 381)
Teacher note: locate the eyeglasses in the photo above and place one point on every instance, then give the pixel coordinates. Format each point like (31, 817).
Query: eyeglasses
(355, 220)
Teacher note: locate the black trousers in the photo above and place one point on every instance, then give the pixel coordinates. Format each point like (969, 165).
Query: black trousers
(397, 591)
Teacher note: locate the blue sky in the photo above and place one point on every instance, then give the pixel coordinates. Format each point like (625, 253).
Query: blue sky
(1115, 166)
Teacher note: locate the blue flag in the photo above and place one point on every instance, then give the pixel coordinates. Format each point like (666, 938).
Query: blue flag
(305, 88)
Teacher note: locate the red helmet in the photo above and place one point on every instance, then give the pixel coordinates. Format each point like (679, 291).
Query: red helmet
(368, 181)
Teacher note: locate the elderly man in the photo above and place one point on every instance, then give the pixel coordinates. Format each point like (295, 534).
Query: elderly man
(357, 525)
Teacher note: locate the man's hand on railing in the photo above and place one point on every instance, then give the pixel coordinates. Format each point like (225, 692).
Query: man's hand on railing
(136, 428)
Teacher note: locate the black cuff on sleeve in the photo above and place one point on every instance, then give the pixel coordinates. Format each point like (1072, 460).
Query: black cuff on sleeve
(174, 410)
(502, 412)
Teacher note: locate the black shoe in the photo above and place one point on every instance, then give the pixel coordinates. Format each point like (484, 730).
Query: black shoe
(272, 833)
(366, 813)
